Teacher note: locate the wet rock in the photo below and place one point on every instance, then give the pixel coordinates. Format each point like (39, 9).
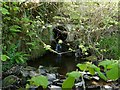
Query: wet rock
(96, 78)
(27, 71)
(53, 87)
(51, 77)
(29, 68)
(33, 73)
(79, 84)
(107, 87)
(42, 70)
(58, 82)
(33, 87)
(14, 70)
(51, 69)
(93, 87)
(87, 77)
(10, 80)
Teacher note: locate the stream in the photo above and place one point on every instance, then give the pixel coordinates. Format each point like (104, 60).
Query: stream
(65, 63)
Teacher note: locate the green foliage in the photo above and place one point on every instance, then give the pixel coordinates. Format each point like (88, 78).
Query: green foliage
(15, 28)
(113, 73)
(109, 46)
(68, 83)
(38, 81)
(74, 74)
(101, 75)
(15, 56)
(4, 57)
(4, 11)
(110, 68)
(84, 49)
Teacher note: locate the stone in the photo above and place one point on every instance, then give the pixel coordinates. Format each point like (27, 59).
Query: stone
(14, 70)
(53, 87)
(87, 77)
(107, 87)
(79, 84)
(42, 70)
(51, 77)
(96, 78)
(9, 80)
(25, 73)
(33, 73)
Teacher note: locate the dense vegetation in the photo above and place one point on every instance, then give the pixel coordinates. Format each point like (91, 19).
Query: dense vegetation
(26, 32)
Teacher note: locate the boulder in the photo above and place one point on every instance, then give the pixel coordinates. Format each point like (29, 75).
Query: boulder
(9, 80)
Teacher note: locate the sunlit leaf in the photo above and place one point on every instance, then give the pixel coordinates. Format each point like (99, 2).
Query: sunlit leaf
(74, 74)
(91, 70)
(105, 63)
(39, 81)
(68, 83)
(101, 75)
(113, 74)
(82, 66)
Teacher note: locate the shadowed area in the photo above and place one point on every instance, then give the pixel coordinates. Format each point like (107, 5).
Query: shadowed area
(59, 33)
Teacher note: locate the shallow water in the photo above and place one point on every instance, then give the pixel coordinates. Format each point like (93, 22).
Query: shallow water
(65, 63)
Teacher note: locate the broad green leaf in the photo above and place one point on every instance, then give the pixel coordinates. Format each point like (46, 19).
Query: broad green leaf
(113, 73)
(74, 74)
(95, 67)
(82, 66)
(4, 57)
(105, 63)
(101, 75)
(68, 83)
(39, 81)
(91, 70)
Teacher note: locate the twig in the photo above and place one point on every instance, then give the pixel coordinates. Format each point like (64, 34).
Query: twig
(83, 82)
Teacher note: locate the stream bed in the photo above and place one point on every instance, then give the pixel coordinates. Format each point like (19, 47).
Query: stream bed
(54, 67)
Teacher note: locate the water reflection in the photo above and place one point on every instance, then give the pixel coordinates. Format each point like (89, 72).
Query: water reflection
(66, 63)
(58, 49)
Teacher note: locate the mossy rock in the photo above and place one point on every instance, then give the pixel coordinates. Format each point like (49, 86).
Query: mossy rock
(9, 80)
